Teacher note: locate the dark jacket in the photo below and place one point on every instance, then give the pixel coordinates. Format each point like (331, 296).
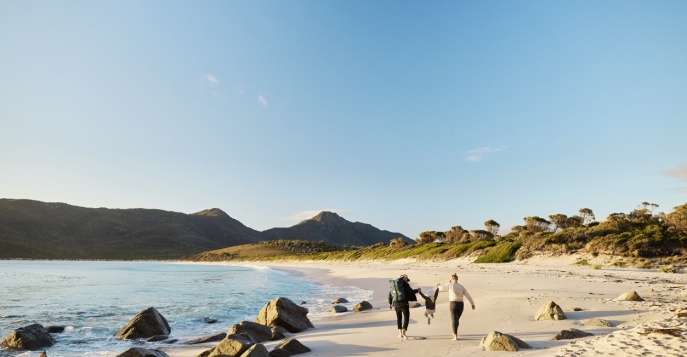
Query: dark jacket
(408, 292)
(430, 301)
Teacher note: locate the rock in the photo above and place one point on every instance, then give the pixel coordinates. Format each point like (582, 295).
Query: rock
(597, 322)
(146, 323)
(30, 337)
(570, 334)
(231, 346)
(157, 338)
(55, 329)
(43, 354)
(278, 333)
(303, 302)
(630, 296)
(283, 312)
(259, 332)
(497, 341)
(142, 352)
(209, 320)
(337, 309)
(340, 301)
(204, 339)
(289, 347)
(577, 309)
(550, 311)
(362, 306)
(258, 350)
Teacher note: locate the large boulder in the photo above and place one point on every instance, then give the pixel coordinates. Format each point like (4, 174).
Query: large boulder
(571, 334)
(289, 347)
(284, 312)
(142, 352)
(30, 337)
(550, 311)
(497, 341)
(362, 306)
(259, 332)
(231, 346)
(630, 296)
(145, 324)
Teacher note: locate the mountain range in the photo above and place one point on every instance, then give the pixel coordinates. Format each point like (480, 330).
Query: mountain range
(46, 230)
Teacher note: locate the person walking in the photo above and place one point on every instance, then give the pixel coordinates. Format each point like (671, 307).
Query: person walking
(456, 293)
(400, 293)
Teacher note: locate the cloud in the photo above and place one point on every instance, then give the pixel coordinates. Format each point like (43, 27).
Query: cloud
(304, 215)
(680, 172)
(262, 101)
(477, 155)
(210, 79)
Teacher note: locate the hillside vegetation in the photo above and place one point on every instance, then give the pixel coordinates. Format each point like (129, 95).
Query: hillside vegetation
(639, 238)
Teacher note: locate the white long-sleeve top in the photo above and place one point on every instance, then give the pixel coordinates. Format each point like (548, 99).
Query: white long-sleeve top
(456, 292)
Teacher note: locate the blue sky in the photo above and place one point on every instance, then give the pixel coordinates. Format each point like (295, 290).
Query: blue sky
(407, 115)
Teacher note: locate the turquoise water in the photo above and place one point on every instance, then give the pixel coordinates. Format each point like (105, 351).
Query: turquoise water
(94, 300)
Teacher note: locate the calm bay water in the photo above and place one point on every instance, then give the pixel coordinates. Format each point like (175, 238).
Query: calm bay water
(94, 300)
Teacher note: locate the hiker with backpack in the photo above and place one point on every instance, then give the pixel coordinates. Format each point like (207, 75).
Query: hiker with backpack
(400, 293)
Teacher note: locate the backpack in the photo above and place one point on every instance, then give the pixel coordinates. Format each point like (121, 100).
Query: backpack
(396, 290)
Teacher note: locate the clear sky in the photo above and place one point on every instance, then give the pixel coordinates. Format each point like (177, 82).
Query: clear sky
(407, 115)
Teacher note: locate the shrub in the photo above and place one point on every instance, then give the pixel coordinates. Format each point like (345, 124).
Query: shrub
(502, 253)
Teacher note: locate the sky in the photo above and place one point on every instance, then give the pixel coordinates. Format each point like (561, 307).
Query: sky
(410, 116)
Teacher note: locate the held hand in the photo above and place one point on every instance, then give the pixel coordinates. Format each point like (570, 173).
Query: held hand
(419, 290)
(391, 305)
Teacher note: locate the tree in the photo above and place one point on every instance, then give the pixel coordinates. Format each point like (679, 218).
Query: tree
(492, 226)
(587, 215)
(429, 237)
(480, 234)
(455, 235)
(558, 221)
(649, 207)
(536, 224)
(678, 218)
(397, 243)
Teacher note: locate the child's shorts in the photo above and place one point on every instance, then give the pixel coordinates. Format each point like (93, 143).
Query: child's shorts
(429, 312)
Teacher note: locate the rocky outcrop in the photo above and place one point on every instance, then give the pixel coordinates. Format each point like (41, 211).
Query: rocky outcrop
(571, 334)
(497, 341)
(30, 337)
(259, 332)
(289, 347)
(630, 296)
(142, 352)
(340, 301)
(362, 306)
(550, 311)
(285, 313)
(145, 324)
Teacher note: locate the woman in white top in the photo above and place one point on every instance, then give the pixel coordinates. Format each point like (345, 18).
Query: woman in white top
(456, 292)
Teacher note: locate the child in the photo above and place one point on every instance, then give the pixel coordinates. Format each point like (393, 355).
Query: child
(430, 303)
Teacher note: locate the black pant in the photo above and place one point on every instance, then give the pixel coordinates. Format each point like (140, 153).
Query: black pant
(402, 314)
(456, 311)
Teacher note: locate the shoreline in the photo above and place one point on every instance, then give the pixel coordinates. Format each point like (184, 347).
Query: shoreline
(507, 296)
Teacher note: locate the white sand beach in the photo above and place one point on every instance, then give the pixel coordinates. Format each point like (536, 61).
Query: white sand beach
(507, 296)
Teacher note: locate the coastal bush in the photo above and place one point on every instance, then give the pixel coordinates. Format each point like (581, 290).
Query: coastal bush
(667, 269)
(501, 253)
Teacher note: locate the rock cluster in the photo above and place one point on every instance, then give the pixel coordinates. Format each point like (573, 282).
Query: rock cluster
(145, 324)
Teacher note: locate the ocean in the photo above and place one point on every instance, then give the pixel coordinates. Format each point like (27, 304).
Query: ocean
(95, 299)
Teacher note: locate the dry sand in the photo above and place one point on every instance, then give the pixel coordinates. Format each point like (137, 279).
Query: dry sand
(507, 296)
